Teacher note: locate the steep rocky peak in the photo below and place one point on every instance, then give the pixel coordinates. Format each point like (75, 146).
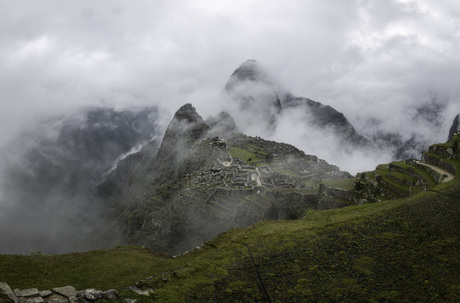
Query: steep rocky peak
(186, 127)
(249, 70)
(187, 113)
(455, 126)
(223, 122)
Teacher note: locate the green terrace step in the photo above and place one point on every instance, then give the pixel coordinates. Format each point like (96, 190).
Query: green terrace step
(396, 188)
(402, 178)
(420, 172)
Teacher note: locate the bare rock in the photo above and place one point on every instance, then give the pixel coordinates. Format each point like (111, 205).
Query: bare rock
(139, 291)
(111, 294)
(66, 291)
(30, 292)
(57, 300)
(92, 294)
(6, 289)
(45, 293)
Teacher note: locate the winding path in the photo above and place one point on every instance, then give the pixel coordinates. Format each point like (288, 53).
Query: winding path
(441, 171)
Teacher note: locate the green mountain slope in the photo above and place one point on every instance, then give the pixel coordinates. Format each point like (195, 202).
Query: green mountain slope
(400, 250)
(394, 251)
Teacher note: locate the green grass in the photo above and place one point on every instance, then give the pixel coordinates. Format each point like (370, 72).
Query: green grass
(342, 183)
(402, 187)
(392, 248)
(455, 140)
(425, 176)
(242, 154)
(402, 164)
(369, 174)
(114, 268)
(402, 176)
(287, 172)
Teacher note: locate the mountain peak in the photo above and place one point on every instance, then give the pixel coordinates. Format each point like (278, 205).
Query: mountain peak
(186, 127)
(249, 70)
(187, 113)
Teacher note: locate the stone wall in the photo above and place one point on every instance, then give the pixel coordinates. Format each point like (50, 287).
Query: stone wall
(66, 294)
(404, 181)
(391, 187)
(432, 160)
(290, 205)
(445, 151)
(336, 192)
(408, 171)
(438, 177)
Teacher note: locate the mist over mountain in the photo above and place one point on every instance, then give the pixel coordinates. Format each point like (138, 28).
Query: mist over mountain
(262, 102)
(197, 186)
(261, 106)
(49, 175)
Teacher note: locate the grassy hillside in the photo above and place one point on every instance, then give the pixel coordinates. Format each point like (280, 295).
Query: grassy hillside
(400, 250)
(396, 251)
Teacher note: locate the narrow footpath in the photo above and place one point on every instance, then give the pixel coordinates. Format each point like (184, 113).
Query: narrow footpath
(449, 177)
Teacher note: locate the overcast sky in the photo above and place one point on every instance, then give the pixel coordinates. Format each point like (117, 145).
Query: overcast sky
(365, 58)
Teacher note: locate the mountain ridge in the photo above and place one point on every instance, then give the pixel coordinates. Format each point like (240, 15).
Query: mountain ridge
(231, 181)
(252, 89)
(394, 250)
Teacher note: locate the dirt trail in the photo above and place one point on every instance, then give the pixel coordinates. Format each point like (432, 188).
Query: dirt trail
(441, 171)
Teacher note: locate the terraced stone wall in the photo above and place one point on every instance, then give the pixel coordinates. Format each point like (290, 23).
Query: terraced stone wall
(336, 192)
(391, 187)
(432, 160)
(408, 171)
(438, 177)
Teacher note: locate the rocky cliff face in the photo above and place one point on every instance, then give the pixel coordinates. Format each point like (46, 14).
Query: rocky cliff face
(183, 131)
(251, 88)
(198, 186)
(254, 94)
(222, 123)
(455, 127)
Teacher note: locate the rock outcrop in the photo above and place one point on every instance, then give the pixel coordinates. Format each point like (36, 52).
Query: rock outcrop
(65, 294)
(254, 92)
(222, 123)
(185, 128)
(255, 95)
(455, 127)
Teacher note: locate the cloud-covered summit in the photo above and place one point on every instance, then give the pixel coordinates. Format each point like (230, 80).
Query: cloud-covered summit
(363, 58)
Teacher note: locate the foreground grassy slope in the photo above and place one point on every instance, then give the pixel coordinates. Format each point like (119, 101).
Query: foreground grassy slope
(394, 251)
(111, 268)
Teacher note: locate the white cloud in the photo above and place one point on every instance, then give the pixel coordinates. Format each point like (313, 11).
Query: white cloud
(365, 58)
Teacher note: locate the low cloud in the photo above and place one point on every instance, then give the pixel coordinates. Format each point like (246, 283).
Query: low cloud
(390, 67)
